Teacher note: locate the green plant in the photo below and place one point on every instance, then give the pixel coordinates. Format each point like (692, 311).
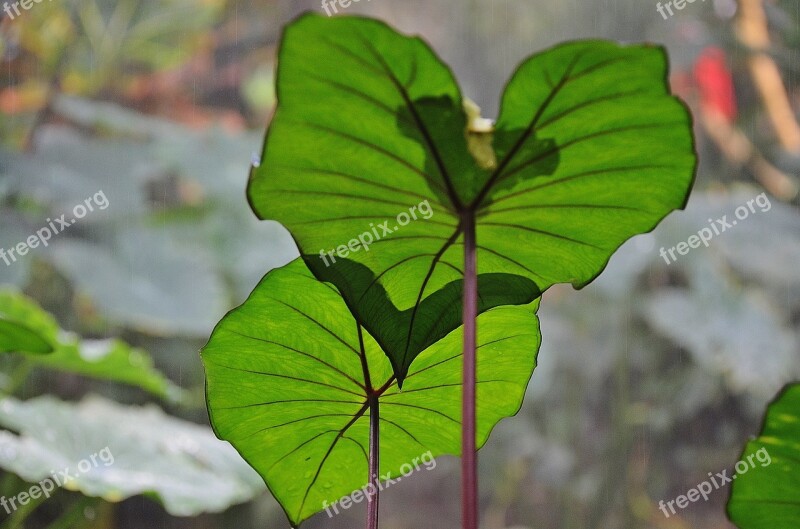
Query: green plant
(298, 387)
(141, 446)
(91, 43)
(767, 498)
(97, 47)
(589, 149)
(102, 359)
(18, 337)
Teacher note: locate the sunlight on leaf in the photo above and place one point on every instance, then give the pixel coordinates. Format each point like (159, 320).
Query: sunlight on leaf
(287, 386)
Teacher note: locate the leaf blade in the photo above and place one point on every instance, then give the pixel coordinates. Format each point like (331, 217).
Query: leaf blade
(281, 389)
(18, 337)
(767, 496)
(110, 359)
(583, 166)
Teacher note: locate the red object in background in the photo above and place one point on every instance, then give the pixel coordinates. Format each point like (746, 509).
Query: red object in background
(715, 83)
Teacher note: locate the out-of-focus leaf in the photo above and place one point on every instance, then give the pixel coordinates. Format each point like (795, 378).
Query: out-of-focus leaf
(767, 496)
(17, 337)
(728, 330)
(111, 360)
(14, 231)
(135, 169)
(97, 43)
(180, 463)
(764, 247)
(148, 281)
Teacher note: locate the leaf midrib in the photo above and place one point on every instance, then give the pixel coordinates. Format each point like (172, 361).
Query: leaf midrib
(423, 129)
(372, 395)
(554, 91)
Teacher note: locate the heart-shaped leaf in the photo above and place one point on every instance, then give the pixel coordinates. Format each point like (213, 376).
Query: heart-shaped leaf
(289, 379)
(767, 496)
(368, 162)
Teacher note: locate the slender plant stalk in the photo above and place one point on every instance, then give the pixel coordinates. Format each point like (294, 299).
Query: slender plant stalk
(373, 494)
(373, 396)
(469, 456)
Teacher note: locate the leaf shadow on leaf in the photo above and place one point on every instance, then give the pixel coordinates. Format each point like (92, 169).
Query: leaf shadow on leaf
(543, 152)
(292, 381)
(434, 117)
(405, 334)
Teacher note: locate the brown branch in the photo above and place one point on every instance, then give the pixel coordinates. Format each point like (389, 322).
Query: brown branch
(740, 151)
(753, 32)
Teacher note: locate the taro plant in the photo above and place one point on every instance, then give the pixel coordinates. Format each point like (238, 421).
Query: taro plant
(588, 150)
(310, 400)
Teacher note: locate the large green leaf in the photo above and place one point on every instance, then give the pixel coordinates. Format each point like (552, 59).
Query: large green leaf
(18, 337)
(590, 149)
(102, 359)
(290, 371)
(767, 496)
(136, 450)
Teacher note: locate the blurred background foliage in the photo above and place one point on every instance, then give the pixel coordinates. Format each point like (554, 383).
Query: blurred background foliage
(653, 377)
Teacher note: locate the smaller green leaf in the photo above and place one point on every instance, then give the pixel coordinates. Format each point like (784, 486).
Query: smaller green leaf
(16, 337)
(111, 359)
(767, 495)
